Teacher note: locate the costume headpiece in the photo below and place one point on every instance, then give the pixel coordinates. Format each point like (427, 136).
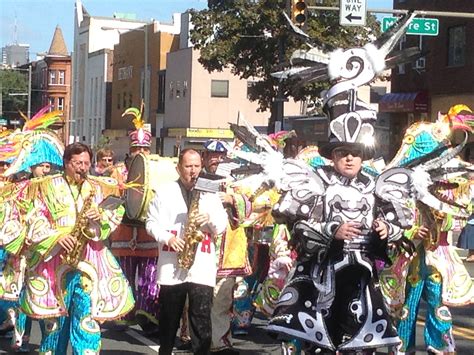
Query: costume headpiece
(34, 144)
(214, 145)
(140, 137)
(351, 120)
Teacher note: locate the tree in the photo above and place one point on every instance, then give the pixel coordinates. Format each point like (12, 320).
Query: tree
(13, 82)
(245, 36)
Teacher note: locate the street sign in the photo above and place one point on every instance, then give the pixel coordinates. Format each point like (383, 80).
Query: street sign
(418, 26)
(352, 12)
(3, 121)
(15, 122)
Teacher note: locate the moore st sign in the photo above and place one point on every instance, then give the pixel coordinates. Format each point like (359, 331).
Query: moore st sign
(418, 26)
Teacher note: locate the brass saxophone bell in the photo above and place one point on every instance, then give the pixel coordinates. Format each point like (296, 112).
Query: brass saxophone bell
(88, 232)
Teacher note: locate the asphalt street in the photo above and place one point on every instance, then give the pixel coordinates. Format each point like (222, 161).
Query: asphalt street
(132, 341)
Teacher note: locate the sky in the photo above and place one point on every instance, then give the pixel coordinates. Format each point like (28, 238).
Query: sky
(33, 21)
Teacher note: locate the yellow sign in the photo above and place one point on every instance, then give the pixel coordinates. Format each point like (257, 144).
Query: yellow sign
(200, 133)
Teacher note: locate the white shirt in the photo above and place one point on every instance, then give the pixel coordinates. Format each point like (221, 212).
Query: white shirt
(167, 217)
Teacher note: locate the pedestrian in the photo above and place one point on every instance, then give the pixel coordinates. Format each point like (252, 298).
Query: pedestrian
(176, 213)
(105, 162)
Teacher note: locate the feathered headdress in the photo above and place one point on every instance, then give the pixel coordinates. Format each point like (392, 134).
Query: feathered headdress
(139, 137)
(351, 119)
(34, 144)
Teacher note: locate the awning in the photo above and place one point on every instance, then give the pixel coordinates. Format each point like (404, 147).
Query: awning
(404, 102)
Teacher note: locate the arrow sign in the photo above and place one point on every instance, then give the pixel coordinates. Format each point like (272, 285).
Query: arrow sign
(350, 17)
(352, 12)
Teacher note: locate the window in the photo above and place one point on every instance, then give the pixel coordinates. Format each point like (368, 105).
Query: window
(130, 99)
(219, 88)
(61, 103)
(251, 89)
(118, 101)
(51, 103)
(456, 46)
(161, 91)
(95, 94)
(61, 76)
(44, 77)
(52, 77)
(124, 102)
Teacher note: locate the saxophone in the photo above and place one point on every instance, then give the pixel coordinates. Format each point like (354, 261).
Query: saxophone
(192, 235)
(81, 232)
(430, 219)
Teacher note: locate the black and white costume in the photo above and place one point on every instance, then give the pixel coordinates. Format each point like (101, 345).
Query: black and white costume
(333, 299)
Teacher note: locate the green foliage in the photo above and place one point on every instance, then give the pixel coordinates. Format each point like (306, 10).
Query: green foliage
(11, 82)
(244, 36)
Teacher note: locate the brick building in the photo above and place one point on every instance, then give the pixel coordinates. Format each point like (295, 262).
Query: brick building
(51, 81)
(442, 78)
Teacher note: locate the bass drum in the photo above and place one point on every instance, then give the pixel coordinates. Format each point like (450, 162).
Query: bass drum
(146, 173)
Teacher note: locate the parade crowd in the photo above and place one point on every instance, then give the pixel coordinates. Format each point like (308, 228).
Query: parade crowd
(334, 248)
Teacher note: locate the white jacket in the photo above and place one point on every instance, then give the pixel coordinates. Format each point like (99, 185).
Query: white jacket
(167, 216)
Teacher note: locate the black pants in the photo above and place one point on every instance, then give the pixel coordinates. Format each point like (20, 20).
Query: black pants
(172, 299)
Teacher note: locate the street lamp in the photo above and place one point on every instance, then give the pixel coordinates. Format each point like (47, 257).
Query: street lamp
(146, 90)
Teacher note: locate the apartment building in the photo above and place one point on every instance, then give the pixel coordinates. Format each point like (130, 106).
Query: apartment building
(440, 79)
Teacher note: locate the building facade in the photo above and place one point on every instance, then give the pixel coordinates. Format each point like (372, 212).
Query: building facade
(51, 82)
(15, 55)
(199, 105)
(441, 78)
(94, 39)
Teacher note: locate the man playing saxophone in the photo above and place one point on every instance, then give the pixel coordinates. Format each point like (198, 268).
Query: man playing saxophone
(72, 282)
(172, 219)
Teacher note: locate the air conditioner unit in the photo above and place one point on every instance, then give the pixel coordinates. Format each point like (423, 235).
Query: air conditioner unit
(420, 63)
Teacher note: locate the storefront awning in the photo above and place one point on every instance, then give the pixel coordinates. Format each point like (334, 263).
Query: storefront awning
(404, 102)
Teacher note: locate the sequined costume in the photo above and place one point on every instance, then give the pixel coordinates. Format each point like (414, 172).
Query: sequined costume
(71, 300)
(32, 151)
(335, 302)
(136, 250)
(259, 229)
(12, 271)
(437, 276)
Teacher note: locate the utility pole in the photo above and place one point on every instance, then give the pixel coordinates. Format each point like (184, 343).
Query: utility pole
(29, 92)
(146, 91)
(278, 105)
(280, 98)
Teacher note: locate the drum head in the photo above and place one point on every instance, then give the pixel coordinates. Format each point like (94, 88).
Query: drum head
(135, 196)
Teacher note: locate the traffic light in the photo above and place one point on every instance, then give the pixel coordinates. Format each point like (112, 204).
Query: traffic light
(298, 12)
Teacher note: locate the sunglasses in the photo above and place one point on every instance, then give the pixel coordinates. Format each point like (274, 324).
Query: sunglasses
(344, 152)
(3, 163)
(106, 159)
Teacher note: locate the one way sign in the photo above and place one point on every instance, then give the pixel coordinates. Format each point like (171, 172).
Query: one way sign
(353, 12)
